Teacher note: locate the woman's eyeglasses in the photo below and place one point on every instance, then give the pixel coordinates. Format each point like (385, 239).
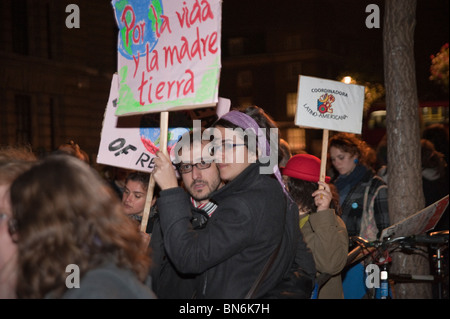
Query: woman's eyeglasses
(223, 147)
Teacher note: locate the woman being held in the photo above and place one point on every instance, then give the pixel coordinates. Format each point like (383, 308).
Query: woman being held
(250, 223)
(322, 228)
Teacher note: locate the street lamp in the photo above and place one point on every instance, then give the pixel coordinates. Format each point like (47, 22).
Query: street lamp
(347, 79)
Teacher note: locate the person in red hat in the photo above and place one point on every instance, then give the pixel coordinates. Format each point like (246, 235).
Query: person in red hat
(323, 230)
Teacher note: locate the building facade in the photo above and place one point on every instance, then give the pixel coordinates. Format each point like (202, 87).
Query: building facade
(55, 79)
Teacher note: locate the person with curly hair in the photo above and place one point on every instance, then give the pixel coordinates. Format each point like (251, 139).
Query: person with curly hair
(362, 194)
(64, 214)
(363, 199)
(14, 160)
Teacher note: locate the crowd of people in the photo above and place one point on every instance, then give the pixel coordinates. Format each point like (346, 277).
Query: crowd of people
(217, 227)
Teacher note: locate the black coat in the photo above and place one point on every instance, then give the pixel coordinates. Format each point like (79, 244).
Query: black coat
(230, 252)
(167, 282)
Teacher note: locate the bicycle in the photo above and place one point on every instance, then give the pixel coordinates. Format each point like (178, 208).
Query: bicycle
(378, 253)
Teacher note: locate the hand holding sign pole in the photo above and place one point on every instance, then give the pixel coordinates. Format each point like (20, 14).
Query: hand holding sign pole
(329, 105)
(168, 59)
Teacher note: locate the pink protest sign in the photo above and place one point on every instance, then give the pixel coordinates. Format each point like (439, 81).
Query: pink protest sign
(132, 141)
(168, 54)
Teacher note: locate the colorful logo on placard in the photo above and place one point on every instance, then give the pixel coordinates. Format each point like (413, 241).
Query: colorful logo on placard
(138, 23)
(150, 138)
(324, 103)
(149, 132)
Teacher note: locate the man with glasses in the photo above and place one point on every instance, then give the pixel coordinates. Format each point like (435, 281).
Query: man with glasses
(200, 178)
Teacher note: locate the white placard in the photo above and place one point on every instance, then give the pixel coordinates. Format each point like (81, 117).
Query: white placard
(418, 223)
(329, 105)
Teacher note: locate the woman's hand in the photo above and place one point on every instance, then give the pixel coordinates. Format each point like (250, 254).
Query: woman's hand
(145, 239)
(163, 172)
(322, 196)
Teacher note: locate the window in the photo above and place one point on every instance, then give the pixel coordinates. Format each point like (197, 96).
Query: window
(23, 118)
(244, 79)
(292, 42)
(291, 104)
(19, 26)
(432, 115)
(236, 46)
(293, 70)
(296, 139)
(245, 101)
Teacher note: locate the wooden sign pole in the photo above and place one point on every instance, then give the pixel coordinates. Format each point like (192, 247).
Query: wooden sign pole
(164, 126)
(323, 160)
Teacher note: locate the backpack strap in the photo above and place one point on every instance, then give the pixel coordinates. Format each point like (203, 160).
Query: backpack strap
(369, 229)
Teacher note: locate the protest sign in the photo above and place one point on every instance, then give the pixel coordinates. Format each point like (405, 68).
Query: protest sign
(330, 105)
(168, 54)
(131, 142)
(418, 223)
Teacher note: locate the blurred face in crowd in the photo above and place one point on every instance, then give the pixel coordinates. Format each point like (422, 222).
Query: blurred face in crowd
(15, 161)
(7, 246)
(134, 197)
(342, 161)
(200, 178)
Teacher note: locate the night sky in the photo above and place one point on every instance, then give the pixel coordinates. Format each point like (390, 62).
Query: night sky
(343, 22)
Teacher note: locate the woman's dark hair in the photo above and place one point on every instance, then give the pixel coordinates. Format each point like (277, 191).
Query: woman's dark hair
(141, 177)
(264, 120)
(261, 118)
(350, 143)
(65, 214)
(301, 191)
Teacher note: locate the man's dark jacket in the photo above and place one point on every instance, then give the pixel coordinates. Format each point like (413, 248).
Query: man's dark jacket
(229, 253)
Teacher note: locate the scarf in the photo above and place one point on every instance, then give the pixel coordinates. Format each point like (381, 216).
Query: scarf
(344, 183)
(209, 207)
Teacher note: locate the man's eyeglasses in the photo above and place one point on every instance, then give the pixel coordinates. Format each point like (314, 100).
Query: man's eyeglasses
(185, 168)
